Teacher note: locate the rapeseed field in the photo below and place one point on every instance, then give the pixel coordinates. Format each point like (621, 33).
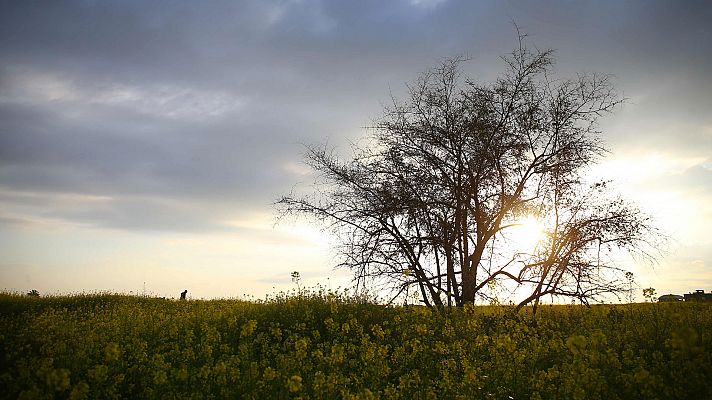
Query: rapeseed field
(322, 346)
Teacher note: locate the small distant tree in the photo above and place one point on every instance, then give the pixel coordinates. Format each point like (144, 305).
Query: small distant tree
(449, 174)
(296, 278)
(650, 294)
(630, 278)
(33, 293)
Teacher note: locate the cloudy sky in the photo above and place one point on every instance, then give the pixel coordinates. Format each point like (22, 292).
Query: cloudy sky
(143, 143)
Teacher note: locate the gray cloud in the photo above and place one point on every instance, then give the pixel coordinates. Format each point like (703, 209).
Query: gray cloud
(183, 114)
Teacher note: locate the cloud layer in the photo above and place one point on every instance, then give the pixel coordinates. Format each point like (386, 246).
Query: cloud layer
(182, 117)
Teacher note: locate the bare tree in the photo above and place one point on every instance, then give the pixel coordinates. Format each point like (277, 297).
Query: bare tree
(449, 174)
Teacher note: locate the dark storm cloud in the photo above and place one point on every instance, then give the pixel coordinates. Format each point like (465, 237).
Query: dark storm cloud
(187, 110)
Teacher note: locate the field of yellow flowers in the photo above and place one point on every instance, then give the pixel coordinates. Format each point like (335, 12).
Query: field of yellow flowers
(324, 346)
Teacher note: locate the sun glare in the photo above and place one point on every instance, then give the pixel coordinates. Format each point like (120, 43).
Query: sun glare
(527, 233)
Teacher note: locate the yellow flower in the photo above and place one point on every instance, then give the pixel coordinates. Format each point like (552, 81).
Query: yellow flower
(337, 354)
(301, 345)
(576, 343)
(58, 379)
(440, 348)
(80, 391)
(269, 374)
(377, 331)
(294, 384)
(160, 377)
(112, 352)
(421, 329)
(98, 373)
(470, 375)
(248, 328)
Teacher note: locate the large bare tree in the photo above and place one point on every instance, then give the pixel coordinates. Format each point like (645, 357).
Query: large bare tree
(435, 198)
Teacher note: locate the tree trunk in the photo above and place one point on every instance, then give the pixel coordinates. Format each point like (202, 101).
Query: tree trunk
(468, 287)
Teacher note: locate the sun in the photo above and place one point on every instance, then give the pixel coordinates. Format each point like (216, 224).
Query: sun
(526, 233)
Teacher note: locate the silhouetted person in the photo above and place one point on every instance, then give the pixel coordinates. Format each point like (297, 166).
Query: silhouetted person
(183, 293)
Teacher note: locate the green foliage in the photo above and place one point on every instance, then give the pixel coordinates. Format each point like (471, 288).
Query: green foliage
(324, 346)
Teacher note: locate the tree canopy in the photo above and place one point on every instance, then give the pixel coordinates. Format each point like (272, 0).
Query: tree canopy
(450, 176)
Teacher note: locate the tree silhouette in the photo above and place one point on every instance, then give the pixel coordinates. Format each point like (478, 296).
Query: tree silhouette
(437, 195)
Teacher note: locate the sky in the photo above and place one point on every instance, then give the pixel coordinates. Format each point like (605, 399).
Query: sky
(143, 144)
